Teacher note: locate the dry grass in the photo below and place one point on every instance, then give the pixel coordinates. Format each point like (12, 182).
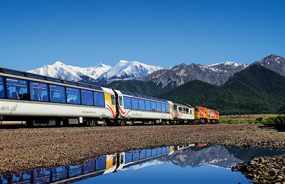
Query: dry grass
(247, 117)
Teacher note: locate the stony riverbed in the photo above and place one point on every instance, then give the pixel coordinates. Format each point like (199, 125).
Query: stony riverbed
(25, 149)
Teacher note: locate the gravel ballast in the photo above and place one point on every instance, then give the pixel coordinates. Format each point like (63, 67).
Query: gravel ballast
(26, 149)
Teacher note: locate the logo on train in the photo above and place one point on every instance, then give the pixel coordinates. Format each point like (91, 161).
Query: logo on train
(7, 108)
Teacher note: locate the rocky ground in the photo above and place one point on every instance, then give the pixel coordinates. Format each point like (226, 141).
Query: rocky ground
(25, 149)
(264, 169)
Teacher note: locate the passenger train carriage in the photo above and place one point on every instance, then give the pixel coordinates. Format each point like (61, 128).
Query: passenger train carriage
(36, 100)
(135, 107)
(184, 113)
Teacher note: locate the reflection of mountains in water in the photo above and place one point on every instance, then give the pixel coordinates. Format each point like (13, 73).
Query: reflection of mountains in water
(247, 154)
(211, 155)
(218, 155)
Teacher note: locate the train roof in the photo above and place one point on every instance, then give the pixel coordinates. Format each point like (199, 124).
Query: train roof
(143, 96)
(52, 79)
(183, 105)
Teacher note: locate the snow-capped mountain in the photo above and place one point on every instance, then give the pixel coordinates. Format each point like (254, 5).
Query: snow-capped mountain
(128, 70)
(103, 73)
(216, 74)
(72, 73)
(274, 63)
(217, 156)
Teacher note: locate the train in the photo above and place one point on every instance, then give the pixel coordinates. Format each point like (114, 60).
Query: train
(35, 100)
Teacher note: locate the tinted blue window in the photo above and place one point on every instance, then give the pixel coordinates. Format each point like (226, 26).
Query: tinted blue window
(127, 102)
(39, 91)
(73, 95)
(153, 106)
(53, 79)
(147, 105)
(13, 72)
(16, 88)
(141, 104)
(86, 97)
(35, 76)
(135, 103)
(96, 87)
(163, 107)
(57, 93)
(69, 82)
(2, 92)
(84, 85)
(167, 109)
(99, 99)
(158, 106)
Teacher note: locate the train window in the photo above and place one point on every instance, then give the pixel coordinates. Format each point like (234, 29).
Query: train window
(35, 76)
(113, 99)
(127, 102)
(135, 103)
(53, 79)
(141, 104)
(184, 111)
(13, 72)
(187, 110)
(147, 105)
(96, 87)
(175, 107)
(83, 85)
(180, 109)
(73, 95)
(2, 91)
(191, 112)
(17, 89)
(158, 106)
(69, 82)
(163, 107)
(39, 91)
(86, 97)
(167, 109)
(57, 93)
(99, 98)
(153, 106)
(120, 101)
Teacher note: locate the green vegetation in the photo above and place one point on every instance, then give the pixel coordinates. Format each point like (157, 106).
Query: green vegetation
(254, 90)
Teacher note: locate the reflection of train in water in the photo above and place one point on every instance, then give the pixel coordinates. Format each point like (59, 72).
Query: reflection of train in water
(37, 100)
(91, 168)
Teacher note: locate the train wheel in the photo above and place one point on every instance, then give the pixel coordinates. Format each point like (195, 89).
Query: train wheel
(131, 123)
(92, 123)
(123, 122)
(104, 123)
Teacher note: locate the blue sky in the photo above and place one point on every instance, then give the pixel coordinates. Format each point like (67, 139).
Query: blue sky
(156, 32)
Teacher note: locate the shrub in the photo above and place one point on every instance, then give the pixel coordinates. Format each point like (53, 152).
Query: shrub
(259, 119)
(231, 121)
(250, 122)
(222, 120)
(279, 119)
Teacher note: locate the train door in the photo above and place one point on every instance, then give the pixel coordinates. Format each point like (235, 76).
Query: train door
(110, 101)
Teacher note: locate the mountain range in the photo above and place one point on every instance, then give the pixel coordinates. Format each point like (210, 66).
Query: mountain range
(228, 87)
(99, 74)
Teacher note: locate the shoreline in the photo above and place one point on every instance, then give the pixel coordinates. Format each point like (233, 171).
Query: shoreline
(27, 149)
